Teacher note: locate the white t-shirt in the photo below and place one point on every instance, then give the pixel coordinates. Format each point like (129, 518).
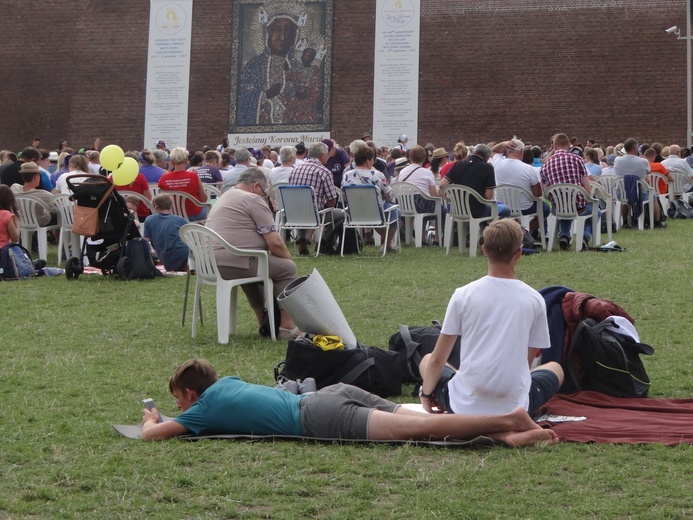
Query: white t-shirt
(420, 176)
(61, 184)
(498, 320)
(516, 173)
(280, 174)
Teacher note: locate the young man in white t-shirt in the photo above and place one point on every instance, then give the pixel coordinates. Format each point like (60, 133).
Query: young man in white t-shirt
(501, 322)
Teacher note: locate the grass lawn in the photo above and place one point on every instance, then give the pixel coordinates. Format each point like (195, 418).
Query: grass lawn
(80, 355)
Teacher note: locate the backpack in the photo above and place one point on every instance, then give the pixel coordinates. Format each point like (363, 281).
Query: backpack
(413, 343)
(353, 244)
(15, 263)
(605, 361)
(370, 368)
(679, 209)
(141, 261)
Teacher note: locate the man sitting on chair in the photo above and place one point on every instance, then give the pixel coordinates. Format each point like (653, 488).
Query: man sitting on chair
(243, 218)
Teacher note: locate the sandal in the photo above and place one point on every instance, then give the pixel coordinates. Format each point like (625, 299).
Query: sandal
(288, 334)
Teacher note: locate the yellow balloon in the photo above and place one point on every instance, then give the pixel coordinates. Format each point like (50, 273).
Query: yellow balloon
(127, 172)
(112, 157)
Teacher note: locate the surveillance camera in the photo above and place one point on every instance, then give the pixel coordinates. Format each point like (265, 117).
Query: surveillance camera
(672, 29)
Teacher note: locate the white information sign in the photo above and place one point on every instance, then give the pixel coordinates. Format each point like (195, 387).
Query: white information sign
(396, 74)
(168, 73)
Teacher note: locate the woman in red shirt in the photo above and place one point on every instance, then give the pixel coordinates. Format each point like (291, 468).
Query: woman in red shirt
(181, 180)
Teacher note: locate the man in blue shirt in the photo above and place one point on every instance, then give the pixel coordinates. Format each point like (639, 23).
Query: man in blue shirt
(229, 405)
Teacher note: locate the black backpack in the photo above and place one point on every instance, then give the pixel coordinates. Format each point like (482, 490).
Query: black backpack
(141, 261)
(413, 343)
(370, 368)
(679, 209)
(605, 361)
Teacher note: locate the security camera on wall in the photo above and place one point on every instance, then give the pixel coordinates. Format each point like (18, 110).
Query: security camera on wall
(671, 30)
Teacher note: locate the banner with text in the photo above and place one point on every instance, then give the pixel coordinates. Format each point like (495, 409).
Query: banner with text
(396, 74)
(168, 73)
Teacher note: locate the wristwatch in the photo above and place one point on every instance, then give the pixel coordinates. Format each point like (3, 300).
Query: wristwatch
(421, 393)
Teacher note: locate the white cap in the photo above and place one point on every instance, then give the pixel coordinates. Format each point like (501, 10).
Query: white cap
(623, 326)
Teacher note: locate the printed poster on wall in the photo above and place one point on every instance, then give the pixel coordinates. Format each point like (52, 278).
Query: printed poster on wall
(168, 73)
(396, 71)
(281, 68)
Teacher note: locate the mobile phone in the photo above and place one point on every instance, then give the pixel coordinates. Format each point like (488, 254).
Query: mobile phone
(149, 405)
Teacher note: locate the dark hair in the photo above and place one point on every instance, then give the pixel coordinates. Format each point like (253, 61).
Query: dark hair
(195, 374)
(417, 154)
(31, 154)
(7, 200)
(362, 154)
(197, 159)
(528, 156)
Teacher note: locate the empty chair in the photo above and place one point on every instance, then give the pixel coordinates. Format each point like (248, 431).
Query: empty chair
(405, 194)
(513, 196)
(301, 210)
(201, 241)
(363, 208)
(564, 198)
(68, 243)
(461, 213)
(29, 222)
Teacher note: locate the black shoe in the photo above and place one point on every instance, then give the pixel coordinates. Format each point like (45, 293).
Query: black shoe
(660, 224)
(564, 243)
(585, 244)
(326, 249)
(302, 247)
(39, 264)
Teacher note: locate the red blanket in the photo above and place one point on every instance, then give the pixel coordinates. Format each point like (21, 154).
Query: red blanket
(623, 420)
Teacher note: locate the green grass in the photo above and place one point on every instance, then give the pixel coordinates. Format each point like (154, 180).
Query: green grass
(80, 355)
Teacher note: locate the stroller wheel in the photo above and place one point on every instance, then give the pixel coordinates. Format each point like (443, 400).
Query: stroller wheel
(71, 268)
(123, 267)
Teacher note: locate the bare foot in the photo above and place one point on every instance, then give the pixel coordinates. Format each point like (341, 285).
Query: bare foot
(527, 438)
(522, 421)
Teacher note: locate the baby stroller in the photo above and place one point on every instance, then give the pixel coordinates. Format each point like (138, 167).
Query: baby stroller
(106, 249)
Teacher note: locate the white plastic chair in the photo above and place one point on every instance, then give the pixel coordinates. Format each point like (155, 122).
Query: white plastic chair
(363, 208)
(613, 185)
(68, 242)
(201, 241)
(564, 199)
(178, 199)
(512, 196)
(678, 186)
(213, 193)
(460, 212)
(599, 192)
(405, 192)
(154, 189)
(301, 210)
(653, 180)
(28, 223)
(141, 198)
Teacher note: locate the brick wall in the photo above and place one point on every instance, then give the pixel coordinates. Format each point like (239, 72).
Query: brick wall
(488, 70)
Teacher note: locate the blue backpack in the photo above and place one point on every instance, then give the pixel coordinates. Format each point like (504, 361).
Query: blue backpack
(15, 263)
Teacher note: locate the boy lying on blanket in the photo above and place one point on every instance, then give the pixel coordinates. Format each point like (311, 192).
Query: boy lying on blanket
(231, 406)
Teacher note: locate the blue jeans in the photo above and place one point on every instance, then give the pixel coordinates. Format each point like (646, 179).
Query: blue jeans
(503, 211)
(565, 224)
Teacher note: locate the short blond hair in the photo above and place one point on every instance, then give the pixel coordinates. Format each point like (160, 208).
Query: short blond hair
(502, 239)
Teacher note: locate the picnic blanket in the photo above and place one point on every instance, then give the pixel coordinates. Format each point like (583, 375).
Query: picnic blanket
(135, 431)
(622, 420)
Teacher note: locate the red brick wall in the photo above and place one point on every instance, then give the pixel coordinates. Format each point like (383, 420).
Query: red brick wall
(488, 70)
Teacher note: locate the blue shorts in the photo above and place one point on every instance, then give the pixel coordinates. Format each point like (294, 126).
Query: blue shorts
(544, 386)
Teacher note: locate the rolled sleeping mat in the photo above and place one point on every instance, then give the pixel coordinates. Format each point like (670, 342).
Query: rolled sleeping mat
(310, 303)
